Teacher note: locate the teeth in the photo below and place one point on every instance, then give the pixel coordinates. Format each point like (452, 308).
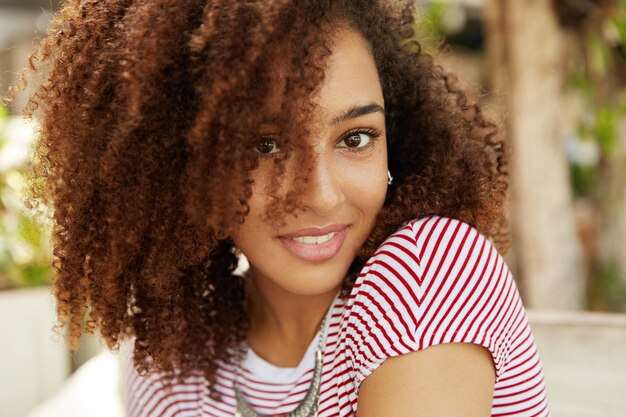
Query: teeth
(314, 240)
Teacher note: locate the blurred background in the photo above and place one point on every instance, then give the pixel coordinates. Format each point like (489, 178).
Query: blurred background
(551, 73)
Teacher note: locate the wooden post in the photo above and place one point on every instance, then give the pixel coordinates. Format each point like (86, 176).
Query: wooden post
(525, 55)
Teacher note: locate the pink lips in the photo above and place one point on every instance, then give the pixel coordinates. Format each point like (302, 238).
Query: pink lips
(312, 252)
(314, 231)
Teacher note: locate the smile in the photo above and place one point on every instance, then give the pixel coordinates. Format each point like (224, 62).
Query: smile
(315, 248)
(314, 240)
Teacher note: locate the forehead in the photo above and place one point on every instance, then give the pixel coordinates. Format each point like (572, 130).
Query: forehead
(351, 75)
(350, 78)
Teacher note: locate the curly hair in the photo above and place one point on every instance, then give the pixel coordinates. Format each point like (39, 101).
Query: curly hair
(148, 114)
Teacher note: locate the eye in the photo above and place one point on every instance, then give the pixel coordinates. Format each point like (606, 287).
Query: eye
(266, 146)
(355, 140)
(360, 140)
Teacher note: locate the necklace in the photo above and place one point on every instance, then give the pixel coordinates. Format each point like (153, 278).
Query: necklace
(308, 406)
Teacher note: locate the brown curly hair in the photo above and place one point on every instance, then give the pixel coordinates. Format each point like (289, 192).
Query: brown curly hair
(148, 114)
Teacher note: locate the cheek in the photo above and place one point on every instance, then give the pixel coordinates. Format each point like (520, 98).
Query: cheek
(248, 232)
(366, 185)
(259, 199)
(368, 192)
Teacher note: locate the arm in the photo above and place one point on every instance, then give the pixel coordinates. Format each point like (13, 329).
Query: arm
(451, 379)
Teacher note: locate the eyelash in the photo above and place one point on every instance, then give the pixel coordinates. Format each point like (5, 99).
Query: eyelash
(373, 133)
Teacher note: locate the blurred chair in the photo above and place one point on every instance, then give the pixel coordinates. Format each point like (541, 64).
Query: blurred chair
(92, 391)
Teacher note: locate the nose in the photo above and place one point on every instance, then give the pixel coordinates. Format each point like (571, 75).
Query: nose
(323, 193)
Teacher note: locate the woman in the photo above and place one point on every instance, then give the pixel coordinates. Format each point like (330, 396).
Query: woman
(314, 140)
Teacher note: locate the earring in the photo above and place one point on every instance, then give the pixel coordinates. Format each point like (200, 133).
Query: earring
(389, 178)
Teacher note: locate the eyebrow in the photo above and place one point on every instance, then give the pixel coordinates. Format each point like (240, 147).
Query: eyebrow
(357, 111)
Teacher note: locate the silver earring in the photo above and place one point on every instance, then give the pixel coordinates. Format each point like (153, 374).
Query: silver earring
(389, 178)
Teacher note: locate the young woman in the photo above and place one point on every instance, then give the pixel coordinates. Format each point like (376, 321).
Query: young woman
(314, 140)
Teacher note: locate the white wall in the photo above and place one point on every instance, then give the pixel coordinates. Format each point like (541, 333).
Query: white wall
(584, 360)
(33, 360)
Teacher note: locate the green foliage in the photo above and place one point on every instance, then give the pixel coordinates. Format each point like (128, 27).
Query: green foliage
(25, 253)
(596, 71)
(431, 22)
(607, 291)
(583, 179)
(579, 81)
(592, 76)
(620, 20)
(429, 28)
(605, 129)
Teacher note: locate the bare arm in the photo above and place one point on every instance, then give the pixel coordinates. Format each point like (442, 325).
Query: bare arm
(450, 379)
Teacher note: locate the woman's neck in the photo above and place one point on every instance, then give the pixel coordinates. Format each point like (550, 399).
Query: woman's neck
(282, 324)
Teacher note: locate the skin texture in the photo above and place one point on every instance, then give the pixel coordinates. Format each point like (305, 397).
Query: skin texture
(446, 380)
(289, 295)
(149, 113)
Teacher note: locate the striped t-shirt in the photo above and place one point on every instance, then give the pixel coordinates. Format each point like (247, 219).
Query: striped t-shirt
(435, 280)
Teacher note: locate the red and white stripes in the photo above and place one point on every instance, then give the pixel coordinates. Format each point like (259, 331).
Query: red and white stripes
(435, 280)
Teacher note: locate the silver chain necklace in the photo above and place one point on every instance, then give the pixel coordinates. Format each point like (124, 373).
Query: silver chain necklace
(308, 406)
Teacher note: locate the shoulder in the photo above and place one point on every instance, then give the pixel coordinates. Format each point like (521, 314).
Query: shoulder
(438, 237)
(450, 251)
(429, 239)
(434, 280)
(454, 254)
(425, 253)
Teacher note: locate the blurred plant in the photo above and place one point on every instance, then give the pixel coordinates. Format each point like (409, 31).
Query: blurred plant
(429, 26)
(597, 75)
(606, 291)
(25, 251)
(440, 24)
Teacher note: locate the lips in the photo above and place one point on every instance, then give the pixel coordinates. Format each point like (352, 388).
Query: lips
(312, 249)
(315, 231)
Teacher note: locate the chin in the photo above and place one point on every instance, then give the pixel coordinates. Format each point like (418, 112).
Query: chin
(290, 275)
(320, 281)
(314, 288)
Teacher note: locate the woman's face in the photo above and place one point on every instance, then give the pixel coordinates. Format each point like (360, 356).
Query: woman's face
(346, 189)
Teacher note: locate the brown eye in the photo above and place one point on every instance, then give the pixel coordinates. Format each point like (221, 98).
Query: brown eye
(267, 145)
(356, 140)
